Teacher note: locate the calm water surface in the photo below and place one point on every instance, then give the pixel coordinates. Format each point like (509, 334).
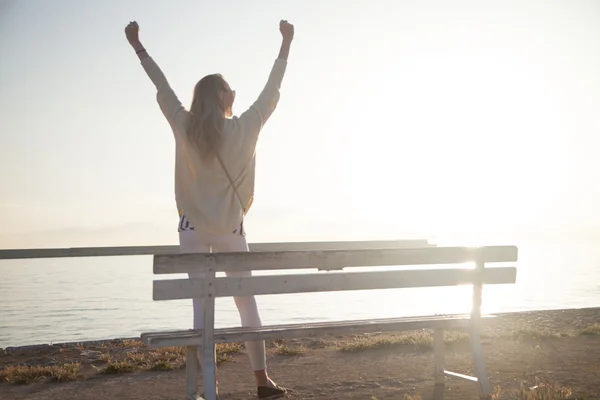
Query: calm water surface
(58, 300)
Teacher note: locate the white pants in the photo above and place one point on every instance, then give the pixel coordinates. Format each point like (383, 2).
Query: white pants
(191, 241)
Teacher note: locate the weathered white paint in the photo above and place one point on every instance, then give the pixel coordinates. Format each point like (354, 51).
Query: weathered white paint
(210, 287)
(191, 373)
(305, 330)
(208, 344)
(175, 289)
(483, 382)
(334, 259)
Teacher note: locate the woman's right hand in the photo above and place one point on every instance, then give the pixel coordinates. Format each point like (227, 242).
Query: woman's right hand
(286, 29)
(132, 32)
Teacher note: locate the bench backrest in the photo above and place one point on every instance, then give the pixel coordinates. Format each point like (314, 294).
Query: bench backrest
(212, 286)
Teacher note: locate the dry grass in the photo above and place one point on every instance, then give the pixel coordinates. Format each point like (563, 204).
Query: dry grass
(225, 350)
(156, 360)
(229, 348)
(541, 391)
(27, 374)
(160, 360)
(285, 350)
(118, 367)
(592, 330)
(123, 343)
(115, 362)
(537, 334)
(164, 359)
(131, 343)
(419, 340)
(456, 338)
(423, 340)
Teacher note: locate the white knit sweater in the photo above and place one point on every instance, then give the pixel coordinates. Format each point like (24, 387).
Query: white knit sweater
(202, 191)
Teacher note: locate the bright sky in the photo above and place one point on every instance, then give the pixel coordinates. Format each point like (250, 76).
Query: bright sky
(397, 118)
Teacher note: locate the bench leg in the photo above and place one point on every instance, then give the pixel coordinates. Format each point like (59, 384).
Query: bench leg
(439, 357)
(209, 367)
(482, 378)
(191, 374)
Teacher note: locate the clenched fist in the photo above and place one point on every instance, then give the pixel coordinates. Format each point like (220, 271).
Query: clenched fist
(132, 32)
(286, 29)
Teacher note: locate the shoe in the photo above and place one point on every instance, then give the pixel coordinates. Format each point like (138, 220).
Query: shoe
(266, 392)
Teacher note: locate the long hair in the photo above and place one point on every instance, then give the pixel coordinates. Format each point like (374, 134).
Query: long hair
(207, 116)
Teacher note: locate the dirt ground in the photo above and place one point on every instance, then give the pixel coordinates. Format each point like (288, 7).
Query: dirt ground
(557, 353)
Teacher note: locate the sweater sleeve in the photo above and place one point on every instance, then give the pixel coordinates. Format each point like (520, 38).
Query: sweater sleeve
(167, 100)
(253, 119)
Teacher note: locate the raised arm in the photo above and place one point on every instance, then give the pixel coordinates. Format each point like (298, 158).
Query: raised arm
(256, 116)
(167, 100)
(287, 35)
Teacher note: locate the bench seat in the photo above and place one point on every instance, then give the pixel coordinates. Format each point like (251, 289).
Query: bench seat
(192, 337)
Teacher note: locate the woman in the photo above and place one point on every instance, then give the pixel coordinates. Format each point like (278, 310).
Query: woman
(214, 173)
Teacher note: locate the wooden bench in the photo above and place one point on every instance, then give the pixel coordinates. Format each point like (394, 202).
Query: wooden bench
(211, 287)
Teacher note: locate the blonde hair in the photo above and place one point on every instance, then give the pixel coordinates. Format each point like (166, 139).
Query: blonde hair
(207, 116)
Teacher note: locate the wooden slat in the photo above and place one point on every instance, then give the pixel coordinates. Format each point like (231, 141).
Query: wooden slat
(333, 259)
(376, 321)
(174, 289)
(305, 330)
(13, 254)
(145, 337)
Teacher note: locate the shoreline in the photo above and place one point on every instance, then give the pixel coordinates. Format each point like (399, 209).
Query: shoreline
(504, 315)
(553, 352)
